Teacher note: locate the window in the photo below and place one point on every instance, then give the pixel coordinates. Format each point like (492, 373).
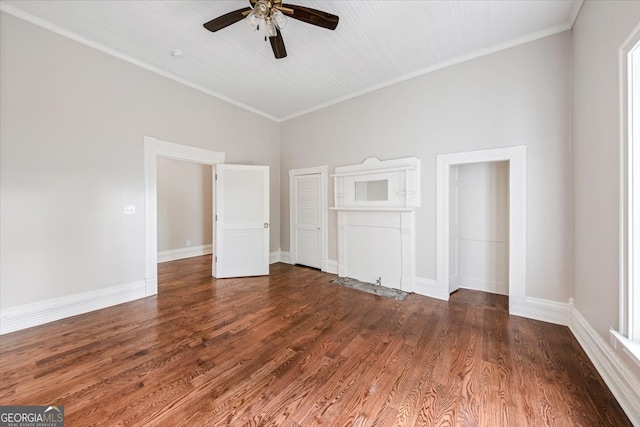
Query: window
(633, 114)
(629, 333)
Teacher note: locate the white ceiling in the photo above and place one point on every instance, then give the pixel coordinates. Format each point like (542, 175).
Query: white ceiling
(377, 43)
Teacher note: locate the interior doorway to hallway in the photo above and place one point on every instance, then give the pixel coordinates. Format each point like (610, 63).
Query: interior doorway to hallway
(479, 227)
(517, 195)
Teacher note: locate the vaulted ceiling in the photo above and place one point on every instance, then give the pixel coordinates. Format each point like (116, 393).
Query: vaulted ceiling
(376, 43)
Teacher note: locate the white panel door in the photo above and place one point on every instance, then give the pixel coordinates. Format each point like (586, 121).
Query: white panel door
(241, 221)
(307, 220)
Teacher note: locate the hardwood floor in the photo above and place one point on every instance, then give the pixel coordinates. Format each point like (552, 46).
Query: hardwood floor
(294, 349)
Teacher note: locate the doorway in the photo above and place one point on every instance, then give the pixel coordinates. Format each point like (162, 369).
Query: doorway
(185, 209)
(235, 252)
(479, 227)
(516, 159)
(308, 208)
(154, 149)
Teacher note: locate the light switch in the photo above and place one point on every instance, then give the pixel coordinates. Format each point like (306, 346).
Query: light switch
(129, 209)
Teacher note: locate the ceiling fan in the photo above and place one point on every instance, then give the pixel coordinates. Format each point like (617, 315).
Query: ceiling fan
(271, 14)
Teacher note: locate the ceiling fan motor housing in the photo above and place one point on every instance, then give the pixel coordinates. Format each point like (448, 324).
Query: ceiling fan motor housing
(262, 9)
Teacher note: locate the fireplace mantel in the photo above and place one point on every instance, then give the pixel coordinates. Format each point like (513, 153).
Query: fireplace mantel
(376, 222)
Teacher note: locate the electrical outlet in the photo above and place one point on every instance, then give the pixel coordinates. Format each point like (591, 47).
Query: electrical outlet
(188, 242)
(129, 209)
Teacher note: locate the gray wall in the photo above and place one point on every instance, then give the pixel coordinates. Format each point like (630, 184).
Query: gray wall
(73, 121)
(600, 30)
(185, 207)
(519, 96)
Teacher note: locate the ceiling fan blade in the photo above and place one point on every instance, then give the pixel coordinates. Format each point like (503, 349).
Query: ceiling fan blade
(277, 44)
(311, 16)
(227, 19)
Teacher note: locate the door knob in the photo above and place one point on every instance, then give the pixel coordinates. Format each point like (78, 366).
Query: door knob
(266, 225)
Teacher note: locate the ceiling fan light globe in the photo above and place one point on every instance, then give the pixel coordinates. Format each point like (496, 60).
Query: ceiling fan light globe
(253, 21)
(271, 28)
(279, 19)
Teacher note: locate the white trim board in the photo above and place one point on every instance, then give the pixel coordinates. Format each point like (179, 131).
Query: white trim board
(328, 266)
(627, 180)
(532, 308)
(286, 257)
(279, 256)
(620, 380)
(517, 158)
(541, 309)
(182, 253)
(41, 312)
(429, 288)
(331, 266)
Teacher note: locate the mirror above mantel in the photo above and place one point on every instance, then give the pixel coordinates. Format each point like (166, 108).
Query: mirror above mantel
(372, 191)
(378, 185)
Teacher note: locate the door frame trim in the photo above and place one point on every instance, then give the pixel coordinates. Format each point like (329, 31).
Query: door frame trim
(323, 171)
(154, 148)
(517, 158)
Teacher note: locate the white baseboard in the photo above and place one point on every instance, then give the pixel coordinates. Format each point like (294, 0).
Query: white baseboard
(151, 285)
(181, 253)
(490, 286)
(326, 265)
(278, 256)
(541, 309)
(624, 385)
(330, 266)
(34, 314)
(429, 288)
(532, 308)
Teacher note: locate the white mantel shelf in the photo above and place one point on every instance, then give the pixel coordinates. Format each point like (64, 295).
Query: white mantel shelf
(379, 170)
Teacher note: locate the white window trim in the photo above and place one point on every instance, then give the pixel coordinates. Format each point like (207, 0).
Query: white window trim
(628, 334)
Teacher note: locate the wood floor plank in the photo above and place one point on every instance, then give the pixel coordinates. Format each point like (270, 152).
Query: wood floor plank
(294, 349)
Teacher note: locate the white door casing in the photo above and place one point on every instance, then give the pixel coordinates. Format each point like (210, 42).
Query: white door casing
(454, 231)
(242, 221)
(516, 156)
